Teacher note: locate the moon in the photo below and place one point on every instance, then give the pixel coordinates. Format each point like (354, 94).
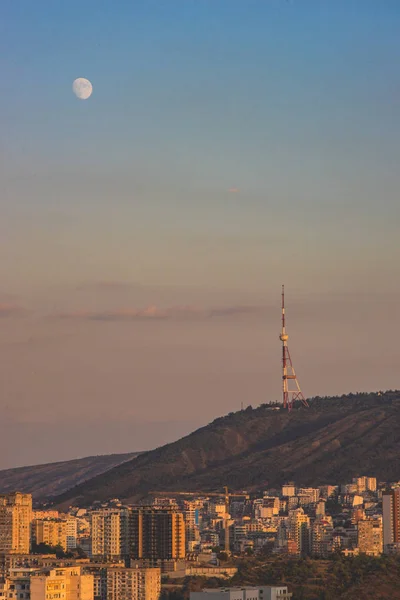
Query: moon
(82, 88)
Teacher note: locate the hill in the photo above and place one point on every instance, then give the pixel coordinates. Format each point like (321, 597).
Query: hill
(332, 441)
(46, 481)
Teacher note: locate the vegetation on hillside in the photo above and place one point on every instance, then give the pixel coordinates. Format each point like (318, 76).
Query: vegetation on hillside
(339, 578)
(263, 447)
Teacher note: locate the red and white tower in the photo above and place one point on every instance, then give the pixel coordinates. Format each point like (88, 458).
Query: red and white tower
(291, 393)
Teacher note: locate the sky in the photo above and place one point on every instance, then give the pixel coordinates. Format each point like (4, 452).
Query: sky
(229, 146)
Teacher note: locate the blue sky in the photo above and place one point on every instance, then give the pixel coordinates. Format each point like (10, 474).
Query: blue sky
(128, 196)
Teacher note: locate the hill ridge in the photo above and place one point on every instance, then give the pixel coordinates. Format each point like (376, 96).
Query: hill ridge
(260, 447)
(53, 478)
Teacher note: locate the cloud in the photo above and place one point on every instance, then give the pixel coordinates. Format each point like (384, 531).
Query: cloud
(121, 314)
(11, 310)
(227, 311)
(233, 190)
(154, 313)
(107, 286)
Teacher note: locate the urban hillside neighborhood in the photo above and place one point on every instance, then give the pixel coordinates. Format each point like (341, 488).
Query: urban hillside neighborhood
(182, 534)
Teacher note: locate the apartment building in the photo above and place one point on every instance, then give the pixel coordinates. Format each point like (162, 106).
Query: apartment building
(15, 521)
(370, 536)
(72, 532)
(365, 484)
(156, 533)
(310, 495)
(52, 532)
(391, 518)
(17, 585)
(108, 533)
(61, 583)
(133, 584)
(322, 536)
(192, 534)
(289, 489)
(300, 531)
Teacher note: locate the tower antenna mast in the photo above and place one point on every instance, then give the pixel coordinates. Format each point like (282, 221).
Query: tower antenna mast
(290, 393)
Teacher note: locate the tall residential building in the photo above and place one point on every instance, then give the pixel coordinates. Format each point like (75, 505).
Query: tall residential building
(322, 536)
(192, 534)
(299, 530)
(133, 584)
(361, 483)
(107, 533)
(365, 484)
(156, 533)
(72, 532)
(61, 583)
(52, 532)
(15, 522)
(370, 537)
(391, 517)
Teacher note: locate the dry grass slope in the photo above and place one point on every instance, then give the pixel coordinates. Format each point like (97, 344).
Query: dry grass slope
(49, 480)
(332, 441)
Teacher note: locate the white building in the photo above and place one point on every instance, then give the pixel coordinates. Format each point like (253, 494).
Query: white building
(247, 593)
(107, 533)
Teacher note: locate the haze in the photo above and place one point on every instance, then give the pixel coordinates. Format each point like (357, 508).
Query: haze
(229, 147)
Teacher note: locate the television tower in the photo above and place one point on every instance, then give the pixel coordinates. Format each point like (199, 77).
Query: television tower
(288, 373)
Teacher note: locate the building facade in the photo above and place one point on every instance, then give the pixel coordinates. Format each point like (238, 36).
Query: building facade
(72, 532)
(52, 532)
(391, 517)
(61, 583)
(370, 536)
(15, 522)
(108, 533)
(300, 531)
(156, 533)
(133, 584)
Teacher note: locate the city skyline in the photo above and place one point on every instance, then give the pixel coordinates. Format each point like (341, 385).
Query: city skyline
(267, 543)
(227, 148)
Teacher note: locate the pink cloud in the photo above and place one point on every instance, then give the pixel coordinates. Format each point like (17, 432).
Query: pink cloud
(233, 190)
(107, 286)
(154, 313)
(11, 310)
(121, 314)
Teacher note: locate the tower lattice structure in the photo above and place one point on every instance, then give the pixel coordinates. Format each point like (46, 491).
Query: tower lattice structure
(290, 385)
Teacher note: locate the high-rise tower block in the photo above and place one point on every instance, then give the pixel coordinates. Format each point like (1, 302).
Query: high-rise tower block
(290, 386)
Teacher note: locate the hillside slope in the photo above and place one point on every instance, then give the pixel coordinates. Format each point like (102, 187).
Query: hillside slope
(332, 441)
(46, 481)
